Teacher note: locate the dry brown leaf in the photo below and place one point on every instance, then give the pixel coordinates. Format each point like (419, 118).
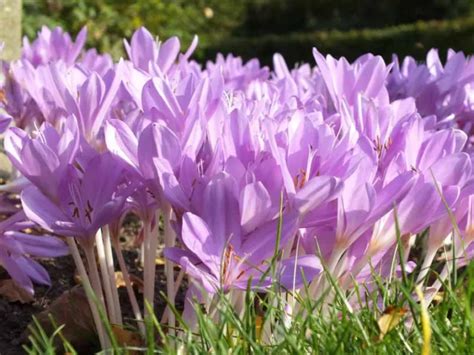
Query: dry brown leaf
(126, 338)
(14, 293)
(390, 318)
(135, 280)
(72, 310)
(77, 278)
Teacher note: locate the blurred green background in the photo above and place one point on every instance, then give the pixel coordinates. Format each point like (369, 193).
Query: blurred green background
(258, 28)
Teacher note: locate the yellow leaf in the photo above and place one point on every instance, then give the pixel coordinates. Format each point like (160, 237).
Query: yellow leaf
(390, 318)
(134, 280)
(160, 261)
(425, 323)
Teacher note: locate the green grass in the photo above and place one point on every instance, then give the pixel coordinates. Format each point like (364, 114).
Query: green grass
(414, 39)
(318, 328)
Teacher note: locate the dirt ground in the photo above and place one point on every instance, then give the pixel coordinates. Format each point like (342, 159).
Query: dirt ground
(15, 316)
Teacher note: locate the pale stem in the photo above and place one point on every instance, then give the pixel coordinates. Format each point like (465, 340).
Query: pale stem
(178, 282)
(151, 240)
(111, 270)
(146, 263)
(128, 285)
(89, 292)
(170, 239)
(94, 273)
(425, 267)
(104, 272)
(238, 301)
(317, 290)
(142, 255)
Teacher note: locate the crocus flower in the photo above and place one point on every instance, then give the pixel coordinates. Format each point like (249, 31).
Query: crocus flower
(52, 46)
(86, 201)
(44, 159)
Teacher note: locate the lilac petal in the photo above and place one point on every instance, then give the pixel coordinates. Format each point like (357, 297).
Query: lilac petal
(42, 211)
(175, 254)
(107, 213)
(91, 94)
(168, 53)
(423, 206)
(221, 211)
(100, 180)
(16, 272)
(260, 244)
(170, 185)
(458, 172)
(5, 121)
(297, 270)
(157, 141)
(197, 237)
(34, 270)
(255, 204)
(13, 143)
(316, 191)
(388, 197)
(157, 95)
(113, 81)
(78, 45)
(209, 282)
(279, 156)
(143, 49)
(121, 141)
(42, 246)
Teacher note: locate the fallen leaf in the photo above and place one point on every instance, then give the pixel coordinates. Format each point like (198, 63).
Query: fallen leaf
(127, 338)
(135, 281)
(72, 310)
(77, 278)
(390, 318)
(14, 293)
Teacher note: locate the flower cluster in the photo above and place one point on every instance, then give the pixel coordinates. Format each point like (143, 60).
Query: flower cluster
(337, 164)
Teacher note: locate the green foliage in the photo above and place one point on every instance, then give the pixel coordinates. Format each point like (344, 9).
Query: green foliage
(412, 39)
(283, 16)
(258, 28)
(337, 330)
(109, 21)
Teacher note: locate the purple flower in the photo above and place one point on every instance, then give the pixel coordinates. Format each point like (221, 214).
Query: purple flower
(44, 159)
(52, 46)
(86, 201)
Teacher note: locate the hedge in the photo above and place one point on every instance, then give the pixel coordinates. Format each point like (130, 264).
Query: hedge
(411, 39)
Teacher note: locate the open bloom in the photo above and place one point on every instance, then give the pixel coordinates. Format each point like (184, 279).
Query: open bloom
(86, 200)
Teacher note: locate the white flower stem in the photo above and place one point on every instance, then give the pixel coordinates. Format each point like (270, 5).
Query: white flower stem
(104, 272)
(94, 273)
(425, 267)
(170, 239)
(178, 282)
(128, 285)
(111, 270)
(89, 292)
(151, 243)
